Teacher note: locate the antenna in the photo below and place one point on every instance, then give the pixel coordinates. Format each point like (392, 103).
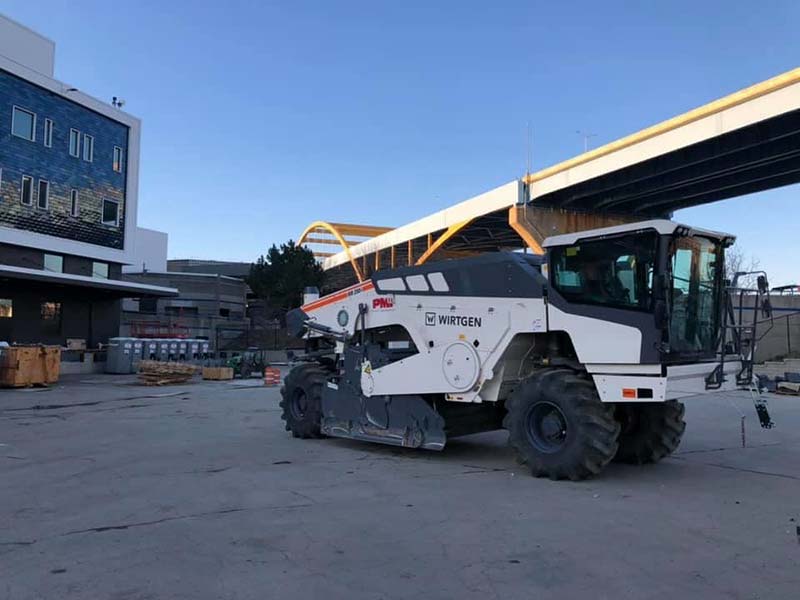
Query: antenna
(586, 135)
(529, 141)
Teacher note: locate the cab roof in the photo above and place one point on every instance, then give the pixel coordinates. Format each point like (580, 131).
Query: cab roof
(662, 226)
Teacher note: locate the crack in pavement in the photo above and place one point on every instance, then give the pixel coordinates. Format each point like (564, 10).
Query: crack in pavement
(93, 403)
(105, 528)
(224, 511)
(125, 526)
(722, 448)
(741, 469)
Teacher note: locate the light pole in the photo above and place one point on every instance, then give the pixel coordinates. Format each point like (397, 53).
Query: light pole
(586, 135)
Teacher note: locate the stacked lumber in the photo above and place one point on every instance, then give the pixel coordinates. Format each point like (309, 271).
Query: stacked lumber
(788, 387)
(153, 372)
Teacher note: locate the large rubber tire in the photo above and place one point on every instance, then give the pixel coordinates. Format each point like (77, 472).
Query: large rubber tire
(650, 431)
(559, 427)
(301, 400)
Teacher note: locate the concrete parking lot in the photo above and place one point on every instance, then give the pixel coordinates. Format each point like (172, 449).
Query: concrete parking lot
(113, 490)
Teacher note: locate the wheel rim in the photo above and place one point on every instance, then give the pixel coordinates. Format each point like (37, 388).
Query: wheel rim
(299, 403)
(546, 426)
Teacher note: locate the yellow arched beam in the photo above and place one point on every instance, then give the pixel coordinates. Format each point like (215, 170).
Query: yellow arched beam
(335, 233)
(442, 239)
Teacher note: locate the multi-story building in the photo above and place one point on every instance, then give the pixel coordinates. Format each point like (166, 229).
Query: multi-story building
(69, 167)
(208, 305)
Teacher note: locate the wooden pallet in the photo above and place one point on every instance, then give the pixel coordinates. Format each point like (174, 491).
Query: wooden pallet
(153, 372)
(217, 373)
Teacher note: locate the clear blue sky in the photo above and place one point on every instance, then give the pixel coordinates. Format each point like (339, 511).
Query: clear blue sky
(261, 116)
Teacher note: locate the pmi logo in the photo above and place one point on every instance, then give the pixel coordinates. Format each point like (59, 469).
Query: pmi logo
(382, 303)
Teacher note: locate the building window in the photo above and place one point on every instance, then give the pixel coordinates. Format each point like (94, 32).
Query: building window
(43, 199)
(225, 312)
(181, 311)
(148, 305)
(110, 212)
(23, 124)
(51, 316)
(74, 209)
(74, 142)
(100, 270)
(6, 308)
(26, 192)
(88, 147)
(118, 159)
(48, 133)
(54, 263)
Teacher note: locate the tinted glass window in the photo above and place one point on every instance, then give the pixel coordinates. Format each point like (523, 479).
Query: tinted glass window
(117, 159)
(54, 262)
(88, 147)
(73, 203)
(110, 212)
(6, 308)
(23, 124)
(44, 193)
(100, 270)
(74, 142)
(615, 271)
(51, 311)
(26, 194)
(694, 295)
(48, 133)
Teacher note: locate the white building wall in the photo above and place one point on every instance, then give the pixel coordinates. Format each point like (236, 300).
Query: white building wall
(26, 47)
(149, 251)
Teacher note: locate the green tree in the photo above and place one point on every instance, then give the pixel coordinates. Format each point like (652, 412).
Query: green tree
(279, 276)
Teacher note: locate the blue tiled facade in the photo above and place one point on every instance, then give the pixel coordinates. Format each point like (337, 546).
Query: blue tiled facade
(94, 181)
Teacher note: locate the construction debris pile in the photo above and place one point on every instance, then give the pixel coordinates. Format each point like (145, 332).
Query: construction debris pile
(153, 372)
(781, 377)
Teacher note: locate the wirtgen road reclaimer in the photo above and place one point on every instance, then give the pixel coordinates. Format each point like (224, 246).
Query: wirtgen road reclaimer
(581, 354)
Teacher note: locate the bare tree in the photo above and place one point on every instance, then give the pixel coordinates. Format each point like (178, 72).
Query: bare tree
(736, 261)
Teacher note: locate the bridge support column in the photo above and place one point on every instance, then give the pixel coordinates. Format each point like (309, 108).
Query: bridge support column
(535, 223)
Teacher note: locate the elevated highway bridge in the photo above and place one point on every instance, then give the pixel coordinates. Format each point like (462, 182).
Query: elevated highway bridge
(743, 143)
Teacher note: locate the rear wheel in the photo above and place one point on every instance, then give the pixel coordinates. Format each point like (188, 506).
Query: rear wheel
(558, 426)
(302, 400)
(650, 431)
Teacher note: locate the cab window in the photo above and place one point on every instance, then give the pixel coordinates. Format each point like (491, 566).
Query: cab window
(615, 271)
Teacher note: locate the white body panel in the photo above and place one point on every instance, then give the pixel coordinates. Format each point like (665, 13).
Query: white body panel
(596, 340)
(681, 381)
(484, 326)
(461, 343)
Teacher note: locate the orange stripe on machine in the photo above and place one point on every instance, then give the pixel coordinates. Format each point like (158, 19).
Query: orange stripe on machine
(338, 296)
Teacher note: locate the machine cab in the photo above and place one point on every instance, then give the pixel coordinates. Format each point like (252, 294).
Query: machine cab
(668, 273)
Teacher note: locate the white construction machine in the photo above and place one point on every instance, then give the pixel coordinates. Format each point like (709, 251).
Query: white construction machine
(581, 354)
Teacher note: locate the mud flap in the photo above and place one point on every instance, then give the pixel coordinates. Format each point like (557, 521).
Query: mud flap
(406, 421)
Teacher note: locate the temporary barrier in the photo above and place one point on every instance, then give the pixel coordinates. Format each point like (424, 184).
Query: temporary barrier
(272, 376)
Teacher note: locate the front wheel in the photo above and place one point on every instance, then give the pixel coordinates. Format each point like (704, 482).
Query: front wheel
(301, 400)
(559, 427)
(650, 431)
